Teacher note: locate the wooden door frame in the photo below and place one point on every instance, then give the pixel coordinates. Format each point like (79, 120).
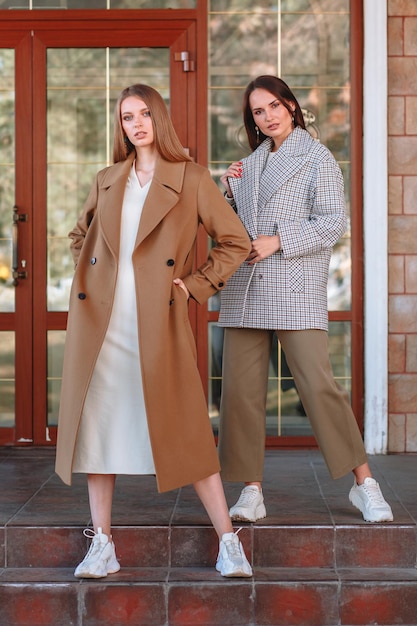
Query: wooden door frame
(46, 22)
(39, 30)
(19, 40)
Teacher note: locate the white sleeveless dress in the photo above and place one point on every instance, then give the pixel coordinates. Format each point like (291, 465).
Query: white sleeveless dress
(113, 437)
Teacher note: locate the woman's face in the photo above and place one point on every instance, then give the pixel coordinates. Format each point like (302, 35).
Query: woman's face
(137, 122)
(270, 115)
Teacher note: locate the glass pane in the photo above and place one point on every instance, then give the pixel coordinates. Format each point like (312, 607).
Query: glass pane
(215, 372)
(7, 177)
(7, 379)
(83, 85)
(56, 341)
(285, 415)
(307, 43)
(318, 74)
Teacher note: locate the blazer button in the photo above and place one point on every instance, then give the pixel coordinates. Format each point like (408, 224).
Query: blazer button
(170, 262)
(93, 260)
(82, 296)
(221, 284)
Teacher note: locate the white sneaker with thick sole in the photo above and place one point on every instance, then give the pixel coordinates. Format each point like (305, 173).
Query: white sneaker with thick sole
(369, 500)
(232, 561)
(100, 559)
(250, 507)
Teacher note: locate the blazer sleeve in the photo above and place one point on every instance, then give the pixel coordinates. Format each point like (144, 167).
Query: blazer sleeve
(232, 244)
(78, 233)
(327, 219)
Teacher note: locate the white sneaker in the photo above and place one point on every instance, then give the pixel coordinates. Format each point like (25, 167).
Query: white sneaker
(250, 506)
(232, 561)
(100, 559)
(369, 500)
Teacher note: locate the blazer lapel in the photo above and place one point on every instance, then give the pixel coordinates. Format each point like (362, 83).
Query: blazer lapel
(288, 159)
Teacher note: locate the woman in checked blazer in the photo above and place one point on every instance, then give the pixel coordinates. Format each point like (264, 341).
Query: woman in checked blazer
(289, 195)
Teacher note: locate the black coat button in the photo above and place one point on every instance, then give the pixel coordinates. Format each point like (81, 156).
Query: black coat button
(221, 284)
(82, 296)
(170, 262)
(93, 260)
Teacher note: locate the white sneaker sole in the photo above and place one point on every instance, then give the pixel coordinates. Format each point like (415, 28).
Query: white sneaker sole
(357, 503)
(86, 574)
(239, 517)
(237, 574)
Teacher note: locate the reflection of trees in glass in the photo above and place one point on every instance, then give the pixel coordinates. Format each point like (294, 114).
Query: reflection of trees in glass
(80, 135)
(7, 198)
(307, 44)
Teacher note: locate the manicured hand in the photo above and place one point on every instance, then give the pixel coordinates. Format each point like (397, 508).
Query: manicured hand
(263, 247)
(233, 171)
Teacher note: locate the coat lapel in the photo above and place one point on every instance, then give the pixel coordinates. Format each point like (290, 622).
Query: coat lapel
(162, 196)
(113, 185)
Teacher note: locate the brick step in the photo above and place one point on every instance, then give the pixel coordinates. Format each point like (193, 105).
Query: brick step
(325, 546)
(169, 596)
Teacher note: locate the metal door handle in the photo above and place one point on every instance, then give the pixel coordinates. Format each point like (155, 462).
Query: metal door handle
(17, 275)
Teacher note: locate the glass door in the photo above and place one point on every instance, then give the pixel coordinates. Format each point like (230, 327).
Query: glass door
(58, 87)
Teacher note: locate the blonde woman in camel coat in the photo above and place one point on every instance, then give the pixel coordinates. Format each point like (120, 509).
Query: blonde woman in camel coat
(153, 174)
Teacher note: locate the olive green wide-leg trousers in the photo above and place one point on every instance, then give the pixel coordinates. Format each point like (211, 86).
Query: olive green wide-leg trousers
(246, 355)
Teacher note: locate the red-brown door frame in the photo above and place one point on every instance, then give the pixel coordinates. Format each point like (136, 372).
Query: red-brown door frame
(31, 33)
(15, 31)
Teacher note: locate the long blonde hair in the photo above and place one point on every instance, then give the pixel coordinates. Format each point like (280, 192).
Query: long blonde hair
(166, 139)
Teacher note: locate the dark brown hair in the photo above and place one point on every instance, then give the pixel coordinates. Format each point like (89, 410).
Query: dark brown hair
(166, 139)
(280, 90)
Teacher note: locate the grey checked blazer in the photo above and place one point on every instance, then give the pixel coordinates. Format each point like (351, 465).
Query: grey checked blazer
(299, 195)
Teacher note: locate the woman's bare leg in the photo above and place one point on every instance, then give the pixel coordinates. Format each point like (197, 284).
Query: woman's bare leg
(100, 493)
(211, 493)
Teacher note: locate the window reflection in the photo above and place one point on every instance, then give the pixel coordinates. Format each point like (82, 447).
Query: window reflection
(7, 177)
(83, 85)
(285, 415)
(7, 379)
(307, 43)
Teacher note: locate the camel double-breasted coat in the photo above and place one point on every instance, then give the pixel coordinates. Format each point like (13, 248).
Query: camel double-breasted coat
(181, 196)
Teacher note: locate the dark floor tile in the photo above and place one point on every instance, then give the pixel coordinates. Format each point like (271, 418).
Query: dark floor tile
(137, 502)
(379, 574)
(29, 575)
(279, 575)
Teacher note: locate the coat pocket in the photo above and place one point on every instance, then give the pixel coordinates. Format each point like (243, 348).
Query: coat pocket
(296, 275)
